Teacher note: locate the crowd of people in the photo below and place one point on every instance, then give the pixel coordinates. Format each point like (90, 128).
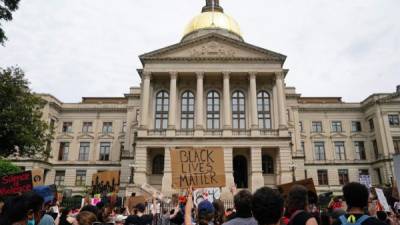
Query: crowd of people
(263, 207)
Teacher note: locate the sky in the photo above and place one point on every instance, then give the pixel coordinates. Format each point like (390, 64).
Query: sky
(82, 48)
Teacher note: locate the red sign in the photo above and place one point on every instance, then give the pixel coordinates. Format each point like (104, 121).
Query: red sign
(16, 183)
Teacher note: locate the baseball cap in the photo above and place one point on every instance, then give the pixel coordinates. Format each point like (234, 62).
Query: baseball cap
(206, 207)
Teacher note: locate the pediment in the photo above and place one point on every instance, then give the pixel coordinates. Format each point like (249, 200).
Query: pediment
(65, 136)
(338, 135)
(85, 136)
(106, 136)
(213, 47)
(318, 136)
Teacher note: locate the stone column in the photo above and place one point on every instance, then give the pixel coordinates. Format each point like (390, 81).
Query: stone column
(228, 161)
(281, 99)
(285, 159)
(145, 99)
(257, 179)
(167, 178)
(140, 174)
(227, 102)
(253, 100)
(172, 101)
(199, 101)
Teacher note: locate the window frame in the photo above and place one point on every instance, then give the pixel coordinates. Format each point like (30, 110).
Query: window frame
(357, 125)
(107, 127)
(343, 175)
(360, 151)
(84, 155)
(336, 126)
(80, 178)
(264, 114)
(371, 124)
(161, 115)
(105, 151)
(240, 98)
(394, 120)
(63, 151)
(67, 127)
(213, 115)
(323, 178)
(340, 150)
(316, 127)
(87, 127)
(267, 164)
(187, 110)
(319, 150)
(59, 180)
(157, 167)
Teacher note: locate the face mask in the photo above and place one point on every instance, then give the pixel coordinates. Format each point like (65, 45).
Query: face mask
(31, 222)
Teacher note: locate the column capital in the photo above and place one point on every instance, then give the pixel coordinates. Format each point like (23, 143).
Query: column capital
(146, 75)
(173, 74)
(279, 75)
(200, 75)
(226, 75)
(252, 75)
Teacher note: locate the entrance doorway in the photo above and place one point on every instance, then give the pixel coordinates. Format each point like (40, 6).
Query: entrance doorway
(240, 175)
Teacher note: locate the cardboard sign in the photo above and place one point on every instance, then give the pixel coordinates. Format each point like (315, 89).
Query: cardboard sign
(16, 183)
(382, 199)
(134, 201)
(307, 183)
(209, 194)
(37, 177)
(197, 167)
(107, 181)
(366, 180)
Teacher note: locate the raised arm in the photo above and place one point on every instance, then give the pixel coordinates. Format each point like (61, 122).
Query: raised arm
(188, 207)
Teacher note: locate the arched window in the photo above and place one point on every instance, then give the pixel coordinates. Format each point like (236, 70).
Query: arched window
(267, 164)
(213, 108)
(162, 108)
(264, 110)
(187, 110)
(158, 164)
(238, 110)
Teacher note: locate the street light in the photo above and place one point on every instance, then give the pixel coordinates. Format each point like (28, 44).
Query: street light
(293, 167)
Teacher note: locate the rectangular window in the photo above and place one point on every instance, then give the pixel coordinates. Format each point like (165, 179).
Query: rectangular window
(84, 151)
(301, 126)
(378, 175)
(87, 127)
(124, 126)
(394, 120)
(80, 178)
(107, 127)
(371, 124)
(343, 176)
(317, 126)
(59, 178)
(67, 127)
(376, 149)
(363, 172)
(303, 147)
(396, 144)
(360, 150)
(63, 151)
(105, 151)
(355, 126)
(319, 148)
(322, 177)
(340, 153)
(337, 126)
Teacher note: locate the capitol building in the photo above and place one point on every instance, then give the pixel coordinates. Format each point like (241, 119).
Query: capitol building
(213, 89)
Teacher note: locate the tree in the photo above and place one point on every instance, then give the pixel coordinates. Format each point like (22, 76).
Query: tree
(6, 9)
(7, 167)
(21, 125)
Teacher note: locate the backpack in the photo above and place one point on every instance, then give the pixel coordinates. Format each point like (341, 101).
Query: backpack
(344, 220)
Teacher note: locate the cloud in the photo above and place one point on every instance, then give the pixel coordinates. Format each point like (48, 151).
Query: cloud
(81, 48)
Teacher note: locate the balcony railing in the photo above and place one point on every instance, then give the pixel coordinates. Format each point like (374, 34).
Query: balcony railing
(157, 132)
(185, 132)
(214, 132)
(269, 132)
(240, 132)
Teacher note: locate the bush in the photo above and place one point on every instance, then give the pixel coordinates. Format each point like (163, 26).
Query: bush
(6, 167)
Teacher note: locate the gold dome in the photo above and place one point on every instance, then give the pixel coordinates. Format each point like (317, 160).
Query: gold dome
(213, 20)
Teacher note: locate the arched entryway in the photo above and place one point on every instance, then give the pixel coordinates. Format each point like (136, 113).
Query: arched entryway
(240, 174)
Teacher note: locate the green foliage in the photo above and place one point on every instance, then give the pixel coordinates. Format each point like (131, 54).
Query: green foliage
(21, 117)
(6, 9)
(7, 167)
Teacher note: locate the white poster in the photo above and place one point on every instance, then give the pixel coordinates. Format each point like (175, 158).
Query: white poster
(396, 164)
(209, 194)
(366, 180)
(382, 199)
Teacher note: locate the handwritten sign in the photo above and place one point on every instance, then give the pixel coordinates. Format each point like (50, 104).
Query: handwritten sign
(37, 177)
(382, 199)
(197, 167)
(107, 181)
(16, 183)
(307, 183)
(209, 194)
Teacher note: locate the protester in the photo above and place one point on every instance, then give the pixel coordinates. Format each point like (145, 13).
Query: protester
(383, 217)
(65, 218)
(140, 218)
(205, 211)
(242, 202)
(335, 214)
(120, 219)
(356, 196)
(267, 206)
(297, 204)
(86, 218)
(219, 216)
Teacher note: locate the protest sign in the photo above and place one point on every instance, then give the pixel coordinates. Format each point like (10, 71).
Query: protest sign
(382, 199)
(107, 181)
(210, 194)
(149, 191)
(197, 167)
(366, 180)
(16, 183)
(37, 177)
(307, 183)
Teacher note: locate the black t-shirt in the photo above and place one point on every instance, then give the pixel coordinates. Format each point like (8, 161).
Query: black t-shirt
(369, 221)
(178, 219)
(300, 219)
(136, 220)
